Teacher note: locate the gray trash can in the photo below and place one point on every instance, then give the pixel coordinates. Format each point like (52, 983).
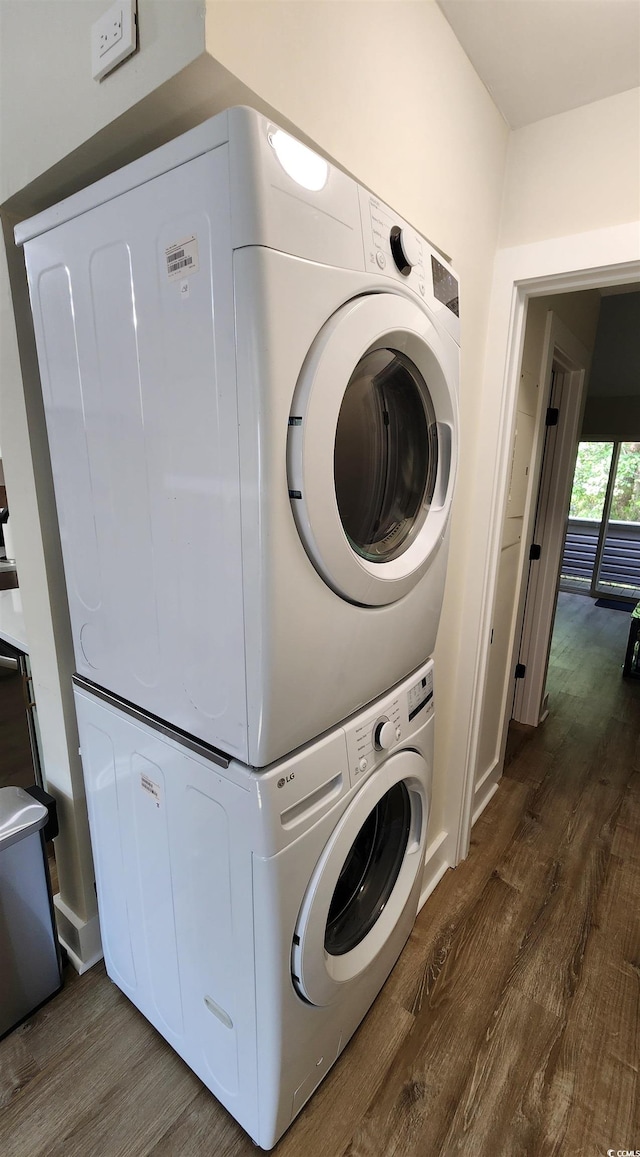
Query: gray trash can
(30, 966)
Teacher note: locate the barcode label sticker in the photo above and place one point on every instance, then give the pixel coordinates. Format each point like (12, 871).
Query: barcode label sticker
(153, 788)
(182, 258)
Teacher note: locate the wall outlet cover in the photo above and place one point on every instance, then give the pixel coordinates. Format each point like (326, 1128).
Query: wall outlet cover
(113, 37)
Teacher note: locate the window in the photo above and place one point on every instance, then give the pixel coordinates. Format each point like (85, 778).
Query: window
(602, 545)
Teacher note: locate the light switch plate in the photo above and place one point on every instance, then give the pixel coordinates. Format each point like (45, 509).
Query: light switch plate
(113, 37)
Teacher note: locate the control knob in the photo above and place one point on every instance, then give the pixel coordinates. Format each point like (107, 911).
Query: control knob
(384, 735)
(405, 249)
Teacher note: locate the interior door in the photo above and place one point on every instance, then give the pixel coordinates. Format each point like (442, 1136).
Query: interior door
(363, 880)
(372, 448)
(541, 592)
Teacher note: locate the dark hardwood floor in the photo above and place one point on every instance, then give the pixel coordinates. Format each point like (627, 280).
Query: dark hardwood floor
(509, 1027)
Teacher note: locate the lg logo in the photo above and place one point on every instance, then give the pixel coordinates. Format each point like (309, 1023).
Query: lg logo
(286, 779)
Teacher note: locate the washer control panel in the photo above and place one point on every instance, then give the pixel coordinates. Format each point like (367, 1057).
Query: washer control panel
(389, 722)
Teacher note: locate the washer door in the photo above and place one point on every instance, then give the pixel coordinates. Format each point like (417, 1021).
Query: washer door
(372, 448)
(363, 880)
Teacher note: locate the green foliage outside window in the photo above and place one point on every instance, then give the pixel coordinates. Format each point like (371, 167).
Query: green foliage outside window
(626, 492)
(590, 482)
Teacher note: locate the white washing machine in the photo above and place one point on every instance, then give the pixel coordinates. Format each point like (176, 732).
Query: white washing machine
(250, 373)
(254, 916)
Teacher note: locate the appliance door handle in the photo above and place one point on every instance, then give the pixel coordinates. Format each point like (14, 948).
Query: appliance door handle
(8, 662)
(445, 437)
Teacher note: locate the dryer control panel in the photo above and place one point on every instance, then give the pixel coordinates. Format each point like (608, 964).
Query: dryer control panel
(389, 723)
(392, 247)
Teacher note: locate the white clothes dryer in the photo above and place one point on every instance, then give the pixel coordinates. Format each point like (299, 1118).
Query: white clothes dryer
(253, 917)
(250, 372)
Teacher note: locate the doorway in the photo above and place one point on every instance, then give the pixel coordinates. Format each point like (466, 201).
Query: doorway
(564, 266)
(586, 535)
(566, 361)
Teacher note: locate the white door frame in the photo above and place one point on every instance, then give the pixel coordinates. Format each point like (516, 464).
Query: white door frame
(550, 485)
(559, 265)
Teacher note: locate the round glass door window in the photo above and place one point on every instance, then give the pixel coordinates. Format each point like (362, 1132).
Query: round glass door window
(369, 873)
(385, 455)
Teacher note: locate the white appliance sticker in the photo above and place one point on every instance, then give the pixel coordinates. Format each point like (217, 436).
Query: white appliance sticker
(151, 787)
(182, 258)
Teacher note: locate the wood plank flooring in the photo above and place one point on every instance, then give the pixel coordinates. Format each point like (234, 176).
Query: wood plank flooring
(510, 1025)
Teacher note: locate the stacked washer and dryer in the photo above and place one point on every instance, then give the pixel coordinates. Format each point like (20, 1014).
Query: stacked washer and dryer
(250, 368)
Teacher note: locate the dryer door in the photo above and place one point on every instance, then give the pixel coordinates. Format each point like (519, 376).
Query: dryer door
(372, 447)
(363, 881)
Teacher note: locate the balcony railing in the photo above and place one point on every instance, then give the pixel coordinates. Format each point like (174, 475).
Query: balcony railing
(620, 565)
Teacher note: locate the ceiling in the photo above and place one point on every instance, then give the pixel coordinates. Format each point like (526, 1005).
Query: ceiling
(542, 57)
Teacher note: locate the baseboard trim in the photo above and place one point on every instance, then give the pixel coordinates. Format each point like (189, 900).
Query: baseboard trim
(485, 789)
(438, 858)
(79, 938)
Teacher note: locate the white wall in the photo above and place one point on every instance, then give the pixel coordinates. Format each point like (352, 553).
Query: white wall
(386, 89)
(572, 192)
(49, 102)
(615, 372)
(573, 173)
(613, 401)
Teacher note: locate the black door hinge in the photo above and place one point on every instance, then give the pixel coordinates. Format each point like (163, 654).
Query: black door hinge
(552, 416)
(535, 550)
(521, 670)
